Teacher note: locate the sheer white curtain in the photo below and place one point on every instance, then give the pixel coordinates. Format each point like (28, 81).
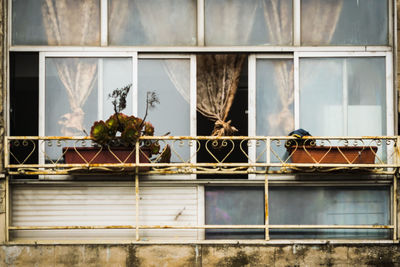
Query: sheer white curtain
(117, 16)
(320, 28)
(276, 14)
(229, 22)
(67, 24)
(78, 76)
(159, 19)
(151, 11)
(71, 22)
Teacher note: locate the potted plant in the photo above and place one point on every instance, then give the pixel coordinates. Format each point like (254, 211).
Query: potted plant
(332, 154)
(115, 138)
(305, 150)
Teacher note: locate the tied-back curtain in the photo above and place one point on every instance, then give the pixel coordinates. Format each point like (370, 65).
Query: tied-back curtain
(276, 14)
(217, 82)
(78, 77)
(282, 122)
(70, 24)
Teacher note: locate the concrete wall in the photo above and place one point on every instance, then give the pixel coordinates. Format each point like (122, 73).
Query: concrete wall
(200, 255)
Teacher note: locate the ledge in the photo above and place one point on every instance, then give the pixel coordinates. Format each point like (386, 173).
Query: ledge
(202, 242)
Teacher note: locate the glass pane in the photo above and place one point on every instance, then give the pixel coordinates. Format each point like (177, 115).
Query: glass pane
(170, 80)
(230, 206)
(51, 22)
(117, 73)
(274, 103)
(250, 22)
(152, 22)
(366, 96)
(72, 87)
(321, 96)
(71, 95)
(344, 22)
(330, 205)
(343, 96)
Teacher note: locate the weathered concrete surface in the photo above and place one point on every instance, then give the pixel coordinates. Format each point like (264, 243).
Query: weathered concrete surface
(200, 255)
(3, 32)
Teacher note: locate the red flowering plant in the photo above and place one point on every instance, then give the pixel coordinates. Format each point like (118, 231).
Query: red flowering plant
(122, 130)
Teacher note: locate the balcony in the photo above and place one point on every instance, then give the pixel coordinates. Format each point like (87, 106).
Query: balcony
(249, 157)
(31, 155)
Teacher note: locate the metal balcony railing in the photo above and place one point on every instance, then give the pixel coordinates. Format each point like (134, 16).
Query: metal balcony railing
(31, 155)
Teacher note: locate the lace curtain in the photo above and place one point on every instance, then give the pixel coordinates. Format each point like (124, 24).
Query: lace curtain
(217, 82)
(69, 24)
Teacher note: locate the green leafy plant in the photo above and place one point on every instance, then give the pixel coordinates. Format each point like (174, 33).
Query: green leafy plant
(122, 130)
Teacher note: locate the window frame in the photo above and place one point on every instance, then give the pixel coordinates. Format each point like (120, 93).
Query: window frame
(200, 21)
(135, 56)
(296, 56)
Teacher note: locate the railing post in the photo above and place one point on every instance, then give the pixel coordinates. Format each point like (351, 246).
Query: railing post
(395, 177)
(268, 151)
(6, 154)
(7, 209)
(395, 205)
(137, 147)
(266, 205)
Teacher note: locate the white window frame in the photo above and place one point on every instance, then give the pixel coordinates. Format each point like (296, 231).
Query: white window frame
(200, 20)
(296, 56)
(389, 80)
(134, 92)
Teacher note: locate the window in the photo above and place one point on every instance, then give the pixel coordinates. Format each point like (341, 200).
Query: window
(325, 66)
(338, 22)
(251, 22)
(56, 22)
(75, 93)
(234, 205)
(348, 93)
(152, 22)
(298, 205)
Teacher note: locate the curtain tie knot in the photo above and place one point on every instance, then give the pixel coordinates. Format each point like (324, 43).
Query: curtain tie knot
(222, 128)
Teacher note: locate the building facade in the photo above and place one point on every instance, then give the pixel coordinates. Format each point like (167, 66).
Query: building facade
(258, 69)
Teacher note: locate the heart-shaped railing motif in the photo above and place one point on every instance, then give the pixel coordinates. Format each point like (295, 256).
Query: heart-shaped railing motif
(219, 144)
(209, 154)
(24, 143)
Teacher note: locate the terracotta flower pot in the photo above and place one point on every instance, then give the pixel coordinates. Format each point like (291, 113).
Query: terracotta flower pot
(97, 155)
(334, 154)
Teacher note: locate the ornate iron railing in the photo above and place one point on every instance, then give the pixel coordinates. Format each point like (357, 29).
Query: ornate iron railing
(30, 155)
(206, 155)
